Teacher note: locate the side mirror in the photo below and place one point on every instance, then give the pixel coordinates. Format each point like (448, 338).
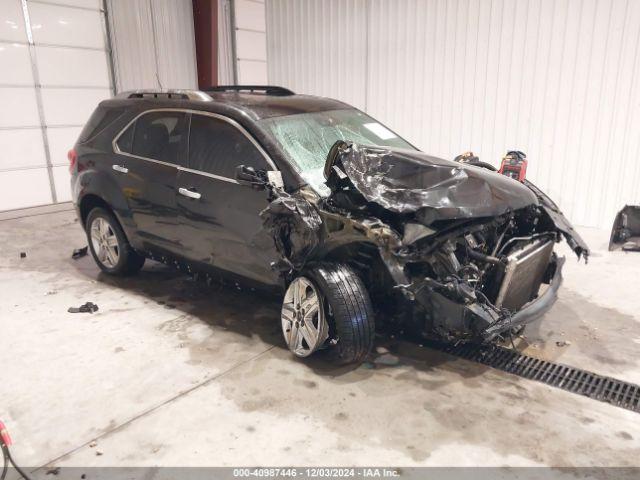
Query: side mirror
(249, 176)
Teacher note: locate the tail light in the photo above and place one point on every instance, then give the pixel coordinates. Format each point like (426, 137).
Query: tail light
(73, 158)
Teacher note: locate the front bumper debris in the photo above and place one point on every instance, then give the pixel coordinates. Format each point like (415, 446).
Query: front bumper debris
(476, 321)
(533, 310)
(625, 233)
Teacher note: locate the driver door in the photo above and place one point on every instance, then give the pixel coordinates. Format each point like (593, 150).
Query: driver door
(218, 218)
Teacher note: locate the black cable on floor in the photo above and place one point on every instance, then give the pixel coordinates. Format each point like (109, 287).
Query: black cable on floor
(5, 441)
(12, 462)
(5, 464)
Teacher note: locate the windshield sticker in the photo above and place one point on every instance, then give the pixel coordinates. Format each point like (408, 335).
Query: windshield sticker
(380, 131)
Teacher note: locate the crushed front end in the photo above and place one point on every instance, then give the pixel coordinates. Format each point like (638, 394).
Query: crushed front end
(481, 279)
(468, 253)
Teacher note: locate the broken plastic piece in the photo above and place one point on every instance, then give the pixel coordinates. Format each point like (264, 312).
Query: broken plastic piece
(79, 253)
(625, 233)
(88, 307)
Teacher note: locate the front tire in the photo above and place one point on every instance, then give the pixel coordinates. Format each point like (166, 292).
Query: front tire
(109, 245)
(328, 308)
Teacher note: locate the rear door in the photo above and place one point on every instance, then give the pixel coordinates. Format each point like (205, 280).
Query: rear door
(219, 219)
(148, 153)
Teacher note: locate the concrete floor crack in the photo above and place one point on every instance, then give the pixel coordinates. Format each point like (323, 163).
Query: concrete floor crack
(154, 408)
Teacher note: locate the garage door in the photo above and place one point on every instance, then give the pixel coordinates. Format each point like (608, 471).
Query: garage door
(54, 69)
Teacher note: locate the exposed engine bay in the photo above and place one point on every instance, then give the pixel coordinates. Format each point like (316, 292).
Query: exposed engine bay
(451, 249)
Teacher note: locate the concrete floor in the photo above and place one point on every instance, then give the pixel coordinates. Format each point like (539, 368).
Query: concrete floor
(171, 373)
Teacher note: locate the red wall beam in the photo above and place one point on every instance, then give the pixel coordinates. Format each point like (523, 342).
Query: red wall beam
(205, 23)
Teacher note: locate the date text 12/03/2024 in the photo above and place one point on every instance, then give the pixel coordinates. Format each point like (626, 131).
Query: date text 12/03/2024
(316, 472)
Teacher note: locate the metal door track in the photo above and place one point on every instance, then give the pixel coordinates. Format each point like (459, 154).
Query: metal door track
(606, 389)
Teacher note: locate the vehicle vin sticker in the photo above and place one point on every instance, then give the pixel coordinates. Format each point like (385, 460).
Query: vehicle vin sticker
(275, 178)
(380, 131)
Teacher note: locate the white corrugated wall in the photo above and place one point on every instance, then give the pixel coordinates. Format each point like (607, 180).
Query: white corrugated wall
(226, 67)
(558, 79)
(153, 44)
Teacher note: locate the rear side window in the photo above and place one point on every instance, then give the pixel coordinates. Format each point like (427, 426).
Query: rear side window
(126, 139)
(101, 118)
(156, 135)
(217, 147)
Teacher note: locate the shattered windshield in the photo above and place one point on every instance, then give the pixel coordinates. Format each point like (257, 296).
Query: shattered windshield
(307, 138)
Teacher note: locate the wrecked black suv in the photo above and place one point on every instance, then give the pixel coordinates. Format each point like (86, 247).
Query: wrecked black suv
(312, 197)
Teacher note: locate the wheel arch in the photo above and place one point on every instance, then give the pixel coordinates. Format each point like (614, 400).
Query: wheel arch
(91, 201)
(365, 258)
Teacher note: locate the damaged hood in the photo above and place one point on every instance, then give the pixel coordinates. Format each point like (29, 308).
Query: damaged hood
(405, 181)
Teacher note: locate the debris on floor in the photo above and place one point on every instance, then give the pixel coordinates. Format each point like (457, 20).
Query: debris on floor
(93, 444)
(79, 252)
(99, 452)
(563, 343)
(88, 307)
(387, 360)
(53, 471)
(625, 233)
(23, 254)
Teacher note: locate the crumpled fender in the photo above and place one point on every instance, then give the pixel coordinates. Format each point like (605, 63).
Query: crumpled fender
(294, 223)
(573, 238)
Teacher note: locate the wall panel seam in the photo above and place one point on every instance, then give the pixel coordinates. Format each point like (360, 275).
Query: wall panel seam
(39, 102)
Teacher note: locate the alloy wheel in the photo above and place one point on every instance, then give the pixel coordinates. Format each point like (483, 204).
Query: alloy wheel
(304, 324)
(105, 243)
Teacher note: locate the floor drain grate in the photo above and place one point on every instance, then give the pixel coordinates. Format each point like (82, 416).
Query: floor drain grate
(571, 379)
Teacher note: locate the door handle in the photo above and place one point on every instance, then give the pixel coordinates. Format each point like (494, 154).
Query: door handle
(120, 168)
(189, 193)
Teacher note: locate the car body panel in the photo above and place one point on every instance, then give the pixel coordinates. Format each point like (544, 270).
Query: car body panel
(219, 227)
(406, 181)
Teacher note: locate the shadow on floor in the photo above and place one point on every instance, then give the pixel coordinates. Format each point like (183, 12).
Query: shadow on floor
(249, 312)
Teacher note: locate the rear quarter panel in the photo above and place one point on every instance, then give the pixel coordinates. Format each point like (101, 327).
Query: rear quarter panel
(94, 175)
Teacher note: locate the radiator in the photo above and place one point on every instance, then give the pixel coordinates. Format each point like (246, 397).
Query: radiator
(524, 273)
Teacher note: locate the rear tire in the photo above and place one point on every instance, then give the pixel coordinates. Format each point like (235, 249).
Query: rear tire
(348, 312)
(109, 245)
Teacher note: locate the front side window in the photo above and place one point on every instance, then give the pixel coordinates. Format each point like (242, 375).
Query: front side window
(217, 147)
(156, 135)
(307, 138)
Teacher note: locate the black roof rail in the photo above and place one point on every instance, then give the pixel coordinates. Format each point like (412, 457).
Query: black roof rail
(166, 94)
(181, 96)
(267, 89)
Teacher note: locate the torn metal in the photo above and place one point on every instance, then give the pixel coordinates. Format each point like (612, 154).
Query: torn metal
(434, 188)
(455, 249)
(625, 233)
(294, 224)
